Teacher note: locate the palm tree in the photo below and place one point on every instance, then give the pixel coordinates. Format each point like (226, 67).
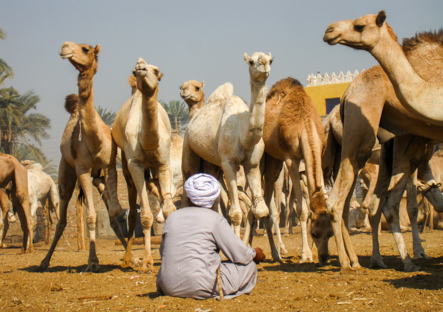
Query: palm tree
(17, 125)
(178, 113)
(107, 116)
(5, 69)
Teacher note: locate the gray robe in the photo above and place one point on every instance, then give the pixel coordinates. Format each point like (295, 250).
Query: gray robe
(191, 241)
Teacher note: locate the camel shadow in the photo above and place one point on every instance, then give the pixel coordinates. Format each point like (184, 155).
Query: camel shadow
(291, 265)
(81, 269)
(151, 295)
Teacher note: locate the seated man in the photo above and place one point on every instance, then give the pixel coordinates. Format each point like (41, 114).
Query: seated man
(191, 241)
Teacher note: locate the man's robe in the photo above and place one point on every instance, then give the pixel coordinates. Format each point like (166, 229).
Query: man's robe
(191, 241)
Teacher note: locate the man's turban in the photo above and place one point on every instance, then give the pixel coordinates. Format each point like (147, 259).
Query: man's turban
(202, 189)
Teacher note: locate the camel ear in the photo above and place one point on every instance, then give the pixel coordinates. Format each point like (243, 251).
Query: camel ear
(202, 84)
(381, 17)
(159, 76)
(246, 58)
(98, 48)
(269, 54)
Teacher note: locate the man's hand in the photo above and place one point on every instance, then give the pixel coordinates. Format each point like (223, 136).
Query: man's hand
(259, 255)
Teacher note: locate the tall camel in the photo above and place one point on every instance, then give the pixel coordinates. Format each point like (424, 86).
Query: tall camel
(293, 131)
(14, 179)
(87, 150)
(371, 110)
(142, 130)
(422, 98)
(226, 134)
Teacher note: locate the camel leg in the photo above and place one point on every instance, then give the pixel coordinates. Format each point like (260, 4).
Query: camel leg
(137, 173)
(4, 205)
(190, 166)
(278, 190)
(412, 207)
(231, 183)
(84, 178)
(113, 221)
(272, 169)
(290, 212)
(302, 210)
(132, 218)
(164, 179)
(111, 189)
(67, 180)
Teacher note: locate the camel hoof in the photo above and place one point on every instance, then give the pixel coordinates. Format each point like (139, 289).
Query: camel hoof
(3, 245)
(283, 251)
(347, 270)
(93, 267)
(377, 265)
(421, 255)
(412, 268)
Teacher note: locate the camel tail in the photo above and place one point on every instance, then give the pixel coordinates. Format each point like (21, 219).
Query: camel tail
(71, 103)
(221, 94)
(312, 146)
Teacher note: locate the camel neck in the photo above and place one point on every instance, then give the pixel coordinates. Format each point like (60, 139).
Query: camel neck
(256, 114)
(195, 107)
(151, 137)
(417, 95)
(87, 113)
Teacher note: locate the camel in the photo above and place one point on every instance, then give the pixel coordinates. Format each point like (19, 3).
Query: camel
(226, 134)
(87, 150)
(14, 181)
(41, 189)
(371, 111)
(142, 131)
(192, 93)
(421, 97)
(293, 131)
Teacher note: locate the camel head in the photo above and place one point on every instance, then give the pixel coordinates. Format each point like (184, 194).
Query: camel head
(321, 227)
(259, 66)
(192, 92)
(84, 57)
(362, 33)
(147, 76)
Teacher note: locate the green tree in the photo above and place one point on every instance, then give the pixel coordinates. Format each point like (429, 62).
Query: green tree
(107, 116)
(17, 124)
(177, 110)
(5, 69)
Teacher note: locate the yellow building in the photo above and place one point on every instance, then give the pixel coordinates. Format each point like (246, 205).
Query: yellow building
(326, 91)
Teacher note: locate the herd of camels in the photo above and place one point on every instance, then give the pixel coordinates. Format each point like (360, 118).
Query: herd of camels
(389, 118)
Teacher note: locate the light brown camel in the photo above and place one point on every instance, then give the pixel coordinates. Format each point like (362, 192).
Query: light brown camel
(371, 110)
(142, 130)
(422, 97)
(293, 131)
(226, 134)
(14, 179)
(87, 150)
(192, 93)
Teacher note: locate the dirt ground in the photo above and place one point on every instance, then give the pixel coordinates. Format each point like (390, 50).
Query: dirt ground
(287, 286)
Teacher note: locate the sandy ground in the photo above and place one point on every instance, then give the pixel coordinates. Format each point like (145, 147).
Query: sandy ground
(287, 286)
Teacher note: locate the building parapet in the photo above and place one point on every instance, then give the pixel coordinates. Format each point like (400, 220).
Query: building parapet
(319, 80)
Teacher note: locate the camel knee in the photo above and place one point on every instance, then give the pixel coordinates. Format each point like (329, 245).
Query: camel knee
(91, 221)
(146, 221)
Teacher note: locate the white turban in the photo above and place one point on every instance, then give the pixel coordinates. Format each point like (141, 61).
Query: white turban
(202, 189)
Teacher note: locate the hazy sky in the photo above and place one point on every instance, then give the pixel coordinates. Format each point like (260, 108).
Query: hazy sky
(202, 40)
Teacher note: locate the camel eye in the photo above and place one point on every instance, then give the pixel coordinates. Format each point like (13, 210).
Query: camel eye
(197, 89)
(251, 63)
(85, 50)
(270, 62)
(359, 28)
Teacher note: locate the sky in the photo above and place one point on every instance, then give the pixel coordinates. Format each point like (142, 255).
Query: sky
(201, 40)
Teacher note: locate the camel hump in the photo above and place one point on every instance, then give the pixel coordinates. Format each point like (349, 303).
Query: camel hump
(132, 81)
(221, 94)
(71, 103)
